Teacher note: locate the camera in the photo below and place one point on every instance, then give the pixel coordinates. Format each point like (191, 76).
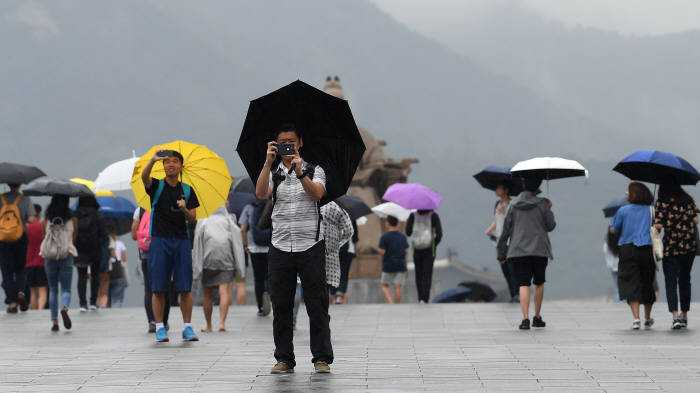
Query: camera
(285, 149)
(166, 153)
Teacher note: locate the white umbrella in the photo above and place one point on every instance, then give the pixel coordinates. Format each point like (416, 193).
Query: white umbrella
(391, 209)
(116, 176)
(549, 168)
(361, 221)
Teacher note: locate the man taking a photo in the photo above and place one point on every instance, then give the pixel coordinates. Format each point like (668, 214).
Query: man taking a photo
(297, 248)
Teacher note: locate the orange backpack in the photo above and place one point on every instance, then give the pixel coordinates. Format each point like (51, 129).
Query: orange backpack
(11, 226)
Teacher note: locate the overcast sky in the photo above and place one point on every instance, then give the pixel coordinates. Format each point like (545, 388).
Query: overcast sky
(629, 17)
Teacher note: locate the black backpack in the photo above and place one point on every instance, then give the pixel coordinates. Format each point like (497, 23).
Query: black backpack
(262, 237)
(88, 237)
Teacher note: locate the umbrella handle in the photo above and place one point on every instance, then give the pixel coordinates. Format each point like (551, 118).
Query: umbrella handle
(294, 166)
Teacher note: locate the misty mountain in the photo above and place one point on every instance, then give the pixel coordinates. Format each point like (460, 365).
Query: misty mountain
(84, 83)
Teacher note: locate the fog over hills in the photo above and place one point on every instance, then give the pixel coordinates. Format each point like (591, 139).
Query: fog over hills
(84, 83)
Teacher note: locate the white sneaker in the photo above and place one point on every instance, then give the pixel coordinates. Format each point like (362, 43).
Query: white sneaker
(83, 309)
(648, 323)
(93, 307)
(636, 324)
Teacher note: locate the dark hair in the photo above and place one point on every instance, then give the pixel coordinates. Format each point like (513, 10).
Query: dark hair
(424, 211)
(110, 228)
(393, 221)
(532, 184)
(179, 157)
(675, 192)
(13, 185)
(612, 239)
(639, 194)
(505, 185)
(58, 207)
(37, 209)
(287, 127)
(88, 201)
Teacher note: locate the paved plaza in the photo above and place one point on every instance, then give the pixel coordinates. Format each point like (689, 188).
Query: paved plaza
(587, 347)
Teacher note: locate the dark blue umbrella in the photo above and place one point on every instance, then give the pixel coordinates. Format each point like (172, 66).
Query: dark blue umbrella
(238, 200)
(452, 295)
(611, 208)
(658, 167)
(493, 176)
(243, 184)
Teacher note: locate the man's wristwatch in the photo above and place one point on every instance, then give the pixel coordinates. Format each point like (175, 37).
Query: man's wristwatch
(303, 174)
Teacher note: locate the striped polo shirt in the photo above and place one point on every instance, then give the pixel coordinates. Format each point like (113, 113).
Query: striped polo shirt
(295, 216)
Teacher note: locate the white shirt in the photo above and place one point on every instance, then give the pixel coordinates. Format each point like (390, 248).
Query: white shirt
(295, 217)
(610, 259)
(119, 248)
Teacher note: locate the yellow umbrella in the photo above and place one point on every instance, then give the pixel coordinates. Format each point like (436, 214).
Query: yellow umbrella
(203, 170)
(91, 185)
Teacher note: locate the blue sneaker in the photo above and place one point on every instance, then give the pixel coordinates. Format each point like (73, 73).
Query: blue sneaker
(162, 336)
(188, 334)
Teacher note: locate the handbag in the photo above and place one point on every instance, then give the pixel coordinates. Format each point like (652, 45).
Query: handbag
(657, 243)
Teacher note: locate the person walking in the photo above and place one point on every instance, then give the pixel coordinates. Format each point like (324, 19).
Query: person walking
(346, 254)
(393, 247)
(256, 242)
(58, 250)
(170, 253)
(36, 272)
(525, 245)
(296, 187)
(495, 230)
(16, 210)
(337, 232)
(218, 253)
(90, 234)
(425, 230)
(677, 215)
(611, 250)
(117, 269)
(636, 268)
(140, 232)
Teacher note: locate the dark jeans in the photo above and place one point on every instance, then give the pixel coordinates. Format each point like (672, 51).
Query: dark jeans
(262, 284)
(423, 261)
(94, 281)
(148, 301)
(345, 264)
(13, 257)
(310, 265)
(677, 273)
(510, 279)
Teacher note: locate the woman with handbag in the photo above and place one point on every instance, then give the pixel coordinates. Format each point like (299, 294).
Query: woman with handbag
(58, 251)
(637, 266)
(677, 215)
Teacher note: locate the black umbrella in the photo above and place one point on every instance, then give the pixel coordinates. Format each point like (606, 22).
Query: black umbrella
(237, 201)
(56, 187)
(658, 167)
(328, 130)
(480, 292)
(122, 226)
(243, 184)
(493, 176)
(11, 173)
(355, 206)
(611, 208)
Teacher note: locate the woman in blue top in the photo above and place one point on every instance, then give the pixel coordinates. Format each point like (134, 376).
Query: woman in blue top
(636, 269)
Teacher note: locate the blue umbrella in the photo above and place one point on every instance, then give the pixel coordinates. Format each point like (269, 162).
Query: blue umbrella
(493, 176)
(452, 295)
(611, 208)
(658, 167)
(238, 200)
(116, 207)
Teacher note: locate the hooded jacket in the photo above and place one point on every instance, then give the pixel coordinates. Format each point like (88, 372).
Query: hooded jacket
(218, 244)
(525, 230)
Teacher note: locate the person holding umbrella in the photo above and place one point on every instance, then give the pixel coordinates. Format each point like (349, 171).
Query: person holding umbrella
(425, 230)
(525, 245)
(89, 241)
(296, 187)
(677, 215)
(173, 206)
(495, 230)
(636, 266)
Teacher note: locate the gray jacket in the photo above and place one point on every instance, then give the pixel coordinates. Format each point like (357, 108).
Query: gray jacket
(525, 229)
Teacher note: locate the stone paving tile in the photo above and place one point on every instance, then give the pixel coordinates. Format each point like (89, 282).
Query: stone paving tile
(378, 348)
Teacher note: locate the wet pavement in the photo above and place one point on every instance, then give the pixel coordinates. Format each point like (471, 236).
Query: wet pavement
(586, 347)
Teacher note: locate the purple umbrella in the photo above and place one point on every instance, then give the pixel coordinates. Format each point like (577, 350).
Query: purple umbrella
(413, 196)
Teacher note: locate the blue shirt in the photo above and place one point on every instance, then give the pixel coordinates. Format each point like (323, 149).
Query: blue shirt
(633, 223)
(395, 245)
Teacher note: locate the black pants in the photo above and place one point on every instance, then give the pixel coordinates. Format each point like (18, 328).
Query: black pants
(13, 257)
(345, 264)
(94, 281)
(677, 273)
(310, 265)
(509, 275)
(147, 298)
(259, 262)
(423, 261)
